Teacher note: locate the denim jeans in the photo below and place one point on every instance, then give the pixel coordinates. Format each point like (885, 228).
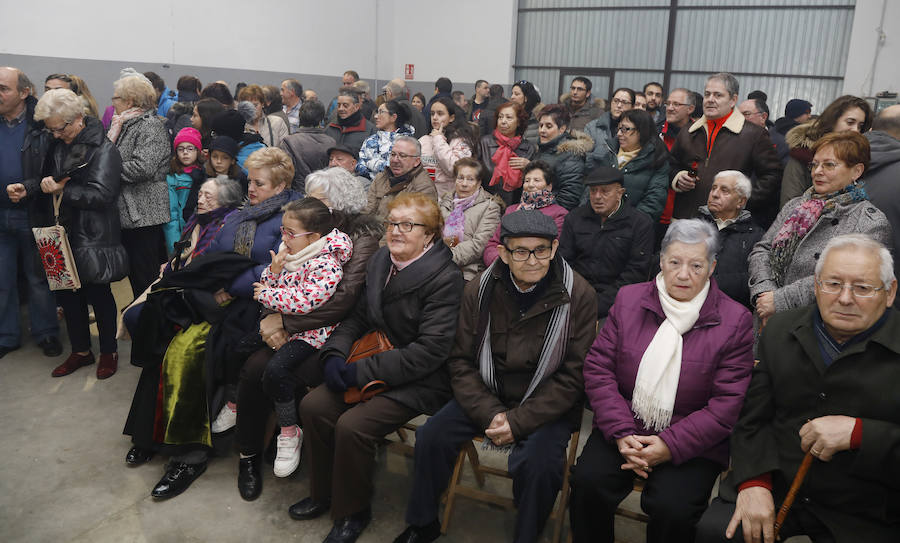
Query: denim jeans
(17, 241)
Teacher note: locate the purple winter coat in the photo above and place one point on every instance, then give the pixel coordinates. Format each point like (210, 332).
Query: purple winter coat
(717, 357)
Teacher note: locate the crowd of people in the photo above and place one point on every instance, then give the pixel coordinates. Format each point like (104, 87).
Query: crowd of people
(715, 286)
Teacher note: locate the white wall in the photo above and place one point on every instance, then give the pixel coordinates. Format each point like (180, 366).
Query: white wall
(465, 40)
(867, 73)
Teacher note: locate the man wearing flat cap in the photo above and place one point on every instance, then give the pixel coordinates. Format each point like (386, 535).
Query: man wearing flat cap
(525, 326)
(606, 240)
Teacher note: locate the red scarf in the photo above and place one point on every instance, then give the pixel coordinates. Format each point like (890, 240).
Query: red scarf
(712, 129)
(506, 149)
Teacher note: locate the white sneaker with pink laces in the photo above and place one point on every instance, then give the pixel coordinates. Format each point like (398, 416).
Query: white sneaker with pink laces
(287, 457)
(226, 420)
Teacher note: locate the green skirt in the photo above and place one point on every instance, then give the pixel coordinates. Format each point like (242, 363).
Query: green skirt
(183, 415)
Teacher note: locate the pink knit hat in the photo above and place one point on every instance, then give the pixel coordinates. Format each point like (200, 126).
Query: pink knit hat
(188, 135)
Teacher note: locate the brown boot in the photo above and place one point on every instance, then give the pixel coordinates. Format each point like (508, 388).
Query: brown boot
(72, 363)
(109, 363)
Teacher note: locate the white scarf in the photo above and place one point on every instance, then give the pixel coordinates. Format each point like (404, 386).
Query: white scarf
(293, 262)
(657, 377)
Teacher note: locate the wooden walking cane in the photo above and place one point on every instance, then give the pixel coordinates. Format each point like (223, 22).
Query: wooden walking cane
(792, 492)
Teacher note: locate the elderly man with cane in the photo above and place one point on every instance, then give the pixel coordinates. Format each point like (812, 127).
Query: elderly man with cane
(825, 385)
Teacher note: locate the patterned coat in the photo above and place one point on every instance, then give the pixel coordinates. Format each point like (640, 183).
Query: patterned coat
(144, 146)
(373, 155)
(310, 286)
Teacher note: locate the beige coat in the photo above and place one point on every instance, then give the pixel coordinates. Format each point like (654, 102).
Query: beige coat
(381, 193)
(481, 221)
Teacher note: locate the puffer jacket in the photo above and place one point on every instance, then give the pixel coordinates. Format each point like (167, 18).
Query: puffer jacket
(88, 210)
(481, 220)
(365, 233)
(565, 154)
(797, 177)
(716, 362)
(487, 146)
(608, 254)
(417, 310)
(373, 155)
(144, 146)
(439, 155)
(735, 243)
(647, 179)
(797, 290)
(308, 287)
(605, 143)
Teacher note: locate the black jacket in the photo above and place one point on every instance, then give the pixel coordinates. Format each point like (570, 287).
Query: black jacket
(88, 211)
(857, 493)
(418, 311)
(487, 146)
(611, 254)
(34, 149)
(736, 241)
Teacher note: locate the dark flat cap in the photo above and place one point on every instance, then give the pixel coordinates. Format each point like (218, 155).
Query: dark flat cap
(527, 223)
(342, 148)
(603, 175)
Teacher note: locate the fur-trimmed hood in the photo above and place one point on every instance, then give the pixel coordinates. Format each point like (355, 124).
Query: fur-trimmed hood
(800, 136)
(576, 142)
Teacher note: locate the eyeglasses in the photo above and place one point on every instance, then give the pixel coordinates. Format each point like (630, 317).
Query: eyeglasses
(859, 290)
(185, 148)
(290, 235)
(581, 89)
(382, 112)
(675, 105)
(625, 129)
(622, 102)
(405, 227)
(467, 179)
(401, 156)
(116, 98)
(59, 130)
(521, 254)
(828, 166)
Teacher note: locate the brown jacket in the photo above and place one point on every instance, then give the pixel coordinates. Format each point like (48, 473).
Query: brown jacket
(381, 193)
(481, 220)
(516, 345)
(739, 146)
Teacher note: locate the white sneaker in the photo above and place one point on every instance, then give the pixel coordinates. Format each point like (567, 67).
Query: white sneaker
(287, 457)
(226, 420)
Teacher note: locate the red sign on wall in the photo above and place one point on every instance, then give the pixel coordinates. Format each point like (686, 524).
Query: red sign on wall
(409, 72)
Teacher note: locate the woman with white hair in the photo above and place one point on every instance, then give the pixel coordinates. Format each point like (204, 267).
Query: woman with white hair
(143, 143)
(666, 379)
(343, 194)
(726, 210)
(88, 212)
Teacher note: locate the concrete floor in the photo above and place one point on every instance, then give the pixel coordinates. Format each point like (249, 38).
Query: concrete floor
(63, 475)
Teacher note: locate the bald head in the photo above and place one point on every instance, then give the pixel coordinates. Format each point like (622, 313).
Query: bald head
(395, 88)
(888, 121)
(14, 89)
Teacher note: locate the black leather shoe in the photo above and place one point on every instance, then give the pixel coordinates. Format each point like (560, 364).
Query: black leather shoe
(348, 529)
(137, 456)
(307, 509)
(420, 534)
(51, 346)
(250, 479)
(177, 479)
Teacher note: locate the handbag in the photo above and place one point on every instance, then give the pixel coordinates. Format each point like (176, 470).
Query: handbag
(56, 253)
(370, 344)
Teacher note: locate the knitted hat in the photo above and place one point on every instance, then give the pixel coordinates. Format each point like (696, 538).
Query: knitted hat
(188, 135)
(225, 144)
(796, 107)
(604, 175)
(527, 223)
(229, 123)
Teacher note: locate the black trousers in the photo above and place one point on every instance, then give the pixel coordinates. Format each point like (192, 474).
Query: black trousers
(146, 248)
(800, 521)
(289, 371)
(75, 308)
(536, 464)
(674, 496)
